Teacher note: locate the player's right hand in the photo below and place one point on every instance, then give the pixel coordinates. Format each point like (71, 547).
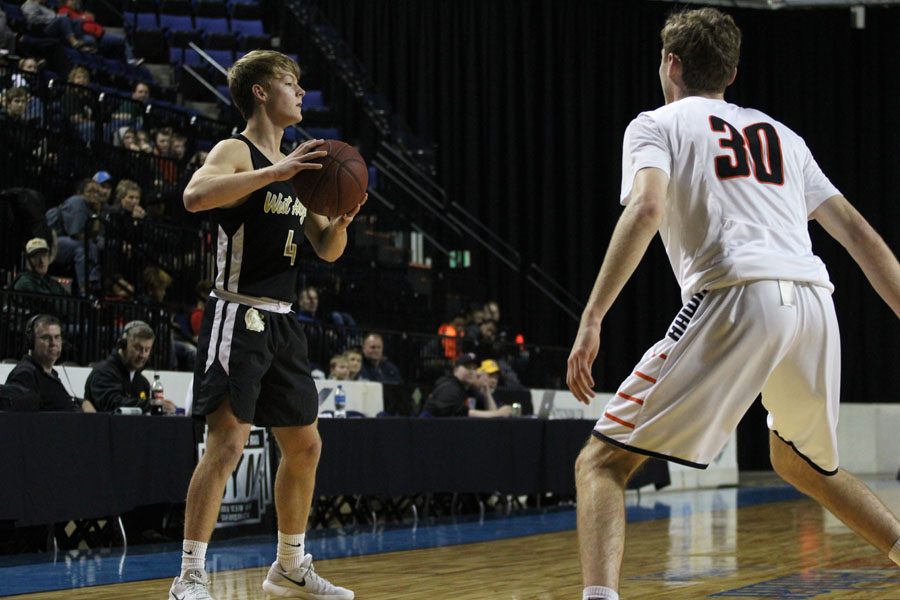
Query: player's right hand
(298, 160)
(581, 359)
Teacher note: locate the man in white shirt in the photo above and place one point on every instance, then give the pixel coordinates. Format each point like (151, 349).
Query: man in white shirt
(730, 191)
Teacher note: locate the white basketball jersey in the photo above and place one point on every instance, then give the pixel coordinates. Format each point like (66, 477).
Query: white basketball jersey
(741, 187)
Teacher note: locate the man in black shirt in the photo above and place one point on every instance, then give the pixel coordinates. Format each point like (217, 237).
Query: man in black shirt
(35, 371)
(451, 394)
(117, 381)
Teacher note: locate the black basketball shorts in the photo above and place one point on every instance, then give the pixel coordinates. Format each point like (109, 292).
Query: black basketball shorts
(257, 359)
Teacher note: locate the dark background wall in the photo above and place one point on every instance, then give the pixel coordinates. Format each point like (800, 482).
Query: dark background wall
(527, 102)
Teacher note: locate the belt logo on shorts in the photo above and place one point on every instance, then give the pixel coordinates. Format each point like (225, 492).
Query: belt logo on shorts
(684, 316)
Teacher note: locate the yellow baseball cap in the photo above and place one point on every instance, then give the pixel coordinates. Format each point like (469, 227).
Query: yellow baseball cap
(489, 366)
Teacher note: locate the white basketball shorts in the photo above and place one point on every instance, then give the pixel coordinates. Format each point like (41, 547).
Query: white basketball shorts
(726, 346)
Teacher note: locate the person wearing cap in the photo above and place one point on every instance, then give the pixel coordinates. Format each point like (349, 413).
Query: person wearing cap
(35, 279)
(450, 397)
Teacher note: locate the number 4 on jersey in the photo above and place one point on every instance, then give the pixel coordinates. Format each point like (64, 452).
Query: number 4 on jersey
(758, 142)
(290, 248)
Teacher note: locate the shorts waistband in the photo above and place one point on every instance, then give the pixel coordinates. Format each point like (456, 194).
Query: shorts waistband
(268, 304)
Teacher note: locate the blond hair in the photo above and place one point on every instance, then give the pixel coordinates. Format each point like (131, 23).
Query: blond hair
(124, 187)
(708, 42)
(257, 67)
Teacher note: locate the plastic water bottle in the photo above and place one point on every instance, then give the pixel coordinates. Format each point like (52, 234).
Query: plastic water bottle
(340, 403)
(157, 395)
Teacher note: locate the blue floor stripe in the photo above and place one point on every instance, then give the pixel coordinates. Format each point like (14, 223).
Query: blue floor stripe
(34, 573)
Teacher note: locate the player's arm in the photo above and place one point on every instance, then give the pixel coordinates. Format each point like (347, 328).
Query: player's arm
(328, 237)
(844, 223)
(635, 229)
(227, 177)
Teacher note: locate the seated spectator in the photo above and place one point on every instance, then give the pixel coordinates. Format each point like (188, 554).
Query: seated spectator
(35, 371)
(142, 139)
(35, 279)
(340, 369)
(128, 200)
(126, 137)
(452, 393)
(34, 111)
(15, 105)
(76, 220)
(376, 366)
(78, 103)
(131, 112)
(501, 375)
(308, 304)
(354, 358)
(178, 148)
(38, 15)
(111, 44)
(117, 381)
(156, 284)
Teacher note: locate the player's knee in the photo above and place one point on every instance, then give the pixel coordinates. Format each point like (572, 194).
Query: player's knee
(600, 458)
(305, 453)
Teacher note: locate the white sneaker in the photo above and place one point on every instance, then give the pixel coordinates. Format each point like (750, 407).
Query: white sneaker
(302, 582)
(192, 585)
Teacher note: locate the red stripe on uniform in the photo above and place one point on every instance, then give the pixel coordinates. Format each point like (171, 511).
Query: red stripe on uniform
(632, 398)
(618, 420)
(647, 377)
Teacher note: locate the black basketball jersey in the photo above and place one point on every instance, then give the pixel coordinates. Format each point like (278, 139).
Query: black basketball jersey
(258, 243)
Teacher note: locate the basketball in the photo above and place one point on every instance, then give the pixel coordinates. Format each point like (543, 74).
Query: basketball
(338, 186)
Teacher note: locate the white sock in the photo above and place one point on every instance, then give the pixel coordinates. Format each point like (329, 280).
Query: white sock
(290, 550)
(193, 555)
(598, 592)
(894, 554)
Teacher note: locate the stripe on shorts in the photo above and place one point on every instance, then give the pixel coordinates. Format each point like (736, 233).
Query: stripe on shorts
(680, 324)
(212, 349)
(227, 335)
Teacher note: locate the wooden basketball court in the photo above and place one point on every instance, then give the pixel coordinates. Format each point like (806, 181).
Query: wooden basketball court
(707, 544)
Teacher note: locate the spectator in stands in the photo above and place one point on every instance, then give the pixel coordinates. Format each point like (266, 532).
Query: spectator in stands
(450, 397)
(308, 304)
(178, 148)
(156, 284)
(126, 137)
(117, 381)
(78, 103)
(35, 279)
(35, 108)
(15, 105)
(376, 366)
(128, 200)
(74, 221)
(196, 316)
(162, 141)
(38, 15)
(7, 35)
(500, 375)
(354, 358)
(112, 44)
(131, 112)
(35, 372)
(143, 141)
(118, 289)
(339, 368)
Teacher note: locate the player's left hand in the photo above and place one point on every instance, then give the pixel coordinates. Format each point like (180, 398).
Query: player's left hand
(343, 221)
(581, 359)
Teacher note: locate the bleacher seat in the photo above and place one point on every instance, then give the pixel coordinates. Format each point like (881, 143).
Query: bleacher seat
(212, 25)
(176, 7)
(176, 22)
(176, 56)
(245, 10)
(211, 8)
(140, 6)
(145, 20)
(183, 38)
(220, 41)
(313, 100)
(255, 42)
(224, 57)
(248, 28)
(192, 58)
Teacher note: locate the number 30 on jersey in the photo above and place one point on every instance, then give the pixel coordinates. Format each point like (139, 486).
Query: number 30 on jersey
(758, 143)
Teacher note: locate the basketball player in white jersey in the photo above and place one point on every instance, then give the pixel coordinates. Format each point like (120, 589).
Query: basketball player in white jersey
(730, 191)
(252, 364)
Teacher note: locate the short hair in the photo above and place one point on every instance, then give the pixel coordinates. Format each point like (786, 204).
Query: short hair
(257, 67)
(353, 350)
(17, 93)
(335, 360)
(124, 187)
(155, 278)
(138, 330)
(373, 334)
(708, 42)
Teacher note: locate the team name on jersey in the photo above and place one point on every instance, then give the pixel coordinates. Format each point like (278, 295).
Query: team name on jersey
(283, 205)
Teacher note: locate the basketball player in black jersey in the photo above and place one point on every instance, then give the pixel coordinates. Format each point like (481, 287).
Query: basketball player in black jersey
(252, 366)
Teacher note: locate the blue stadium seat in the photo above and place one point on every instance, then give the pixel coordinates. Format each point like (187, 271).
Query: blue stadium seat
(176, 22)
(247, 27)
(223, 57)
(192, 58)
(212, 24)
(145, 21)
(313, 100)
(176, 56)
